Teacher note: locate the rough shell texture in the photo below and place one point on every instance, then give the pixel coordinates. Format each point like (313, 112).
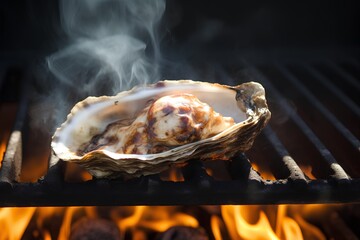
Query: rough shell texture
(245, 103)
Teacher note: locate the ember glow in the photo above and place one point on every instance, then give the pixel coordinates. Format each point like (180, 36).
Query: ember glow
(172, 174)
(2, 150)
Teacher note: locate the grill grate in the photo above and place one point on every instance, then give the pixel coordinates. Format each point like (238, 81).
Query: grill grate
(293, 143)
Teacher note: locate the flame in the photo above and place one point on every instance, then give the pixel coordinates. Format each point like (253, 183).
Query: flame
(173, 174)
(2, 150)
(264, 174)
(310, 231)
(252, 222)
(33, 168)
(66, 225)
(286, 227)
(232, 222)
(35, 157)
(13, 222)
(154, 218)
(42, 216)
(307, 169)
(239, 228)
(218, 227)
(74, 173)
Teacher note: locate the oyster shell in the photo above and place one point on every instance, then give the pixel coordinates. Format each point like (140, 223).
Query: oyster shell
(142, 131)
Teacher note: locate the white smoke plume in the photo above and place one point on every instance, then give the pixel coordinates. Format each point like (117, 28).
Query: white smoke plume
(110, 39)
(113, 46)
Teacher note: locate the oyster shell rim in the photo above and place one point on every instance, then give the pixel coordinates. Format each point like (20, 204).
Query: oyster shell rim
(252, 103)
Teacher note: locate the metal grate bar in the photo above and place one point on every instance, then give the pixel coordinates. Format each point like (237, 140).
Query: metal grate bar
(241, 169)
(151, 191)
(55, 176)
(11, 164)
(195, 172)
(338, 93)
(339, 173)
(346, 76)
(295, 172)
(320, 107)
(253, 175)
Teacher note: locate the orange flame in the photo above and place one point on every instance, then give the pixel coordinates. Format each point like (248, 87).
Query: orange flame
(307, 169)
(2, 151)
(218, 227)
(13, 222)
(239, 228)
(74, 173)
(286, 227)
(43, 215)
(173, 174)
(250, 222)
(154, 218)
(66, 225)
(233, 222)
(264, 174)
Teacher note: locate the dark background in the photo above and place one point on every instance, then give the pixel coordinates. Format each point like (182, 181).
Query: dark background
(33, 26)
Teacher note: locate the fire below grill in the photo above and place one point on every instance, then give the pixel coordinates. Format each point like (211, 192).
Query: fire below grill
(310, 149)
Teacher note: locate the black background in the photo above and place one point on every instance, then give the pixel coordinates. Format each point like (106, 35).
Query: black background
(33, 26)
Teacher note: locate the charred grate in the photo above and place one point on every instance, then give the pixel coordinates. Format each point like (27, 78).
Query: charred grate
(315, 123)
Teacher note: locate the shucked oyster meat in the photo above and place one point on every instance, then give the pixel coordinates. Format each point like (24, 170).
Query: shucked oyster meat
(165, 123)
(145, 130)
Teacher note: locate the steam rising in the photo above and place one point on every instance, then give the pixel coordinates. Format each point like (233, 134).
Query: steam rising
(114, 45)
(117, 62)
(110, 38)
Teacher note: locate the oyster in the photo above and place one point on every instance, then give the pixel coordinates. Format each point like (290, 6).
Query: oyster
(144, 130)
(166, 122)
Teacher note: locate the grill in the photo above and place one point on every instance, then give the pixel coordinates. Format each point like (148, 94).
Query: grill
(315, 126)
(305, 55)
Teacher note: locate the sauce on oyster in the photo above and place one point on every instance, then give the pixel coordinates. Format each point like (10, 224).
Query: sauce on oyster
(164, 123)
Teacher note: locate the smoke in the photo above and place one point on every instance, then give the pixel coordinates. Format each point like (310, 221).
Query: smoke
(110, 39)
(113, 46)
(116, 62)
